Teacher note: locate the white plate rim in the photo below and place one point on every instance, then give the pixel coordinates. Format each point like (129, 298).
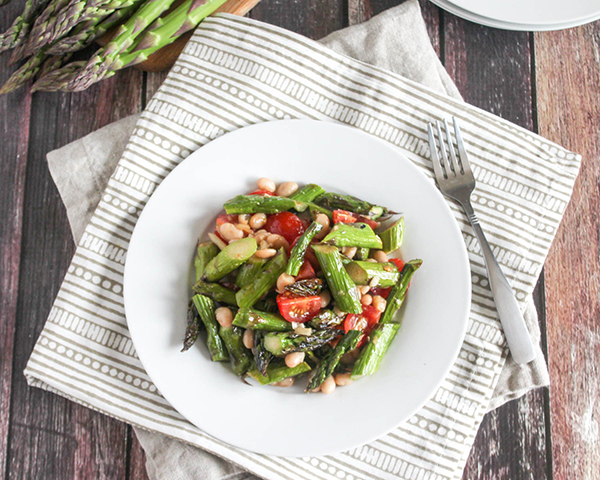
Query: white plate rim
(456, 349)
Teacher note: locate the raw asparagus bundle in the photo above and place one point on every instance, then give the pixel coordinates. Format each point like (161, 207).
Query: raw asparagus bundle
(18, 31)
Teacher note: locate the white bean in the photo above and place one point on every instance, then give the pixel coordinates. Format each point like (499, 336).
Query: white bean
(379, 303)
(328, 386)
(266, 184)
(230, 232)
(258, 220)
(303, 331)
(277, 241)
(224, 316)
(287, 188)
(325, 298)
(364, 289)
(248, 339)
(265, 253)
(244, 218)
(286, 382)
(380, 256)
(366, 299)
(323, 220)
(349, 251)
(294, 359)
(343, 379)
(244, 228)
(283, 281)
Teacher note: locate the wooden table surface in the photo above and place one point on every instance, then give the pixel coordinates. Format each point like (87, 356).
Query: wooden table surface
(546, 82)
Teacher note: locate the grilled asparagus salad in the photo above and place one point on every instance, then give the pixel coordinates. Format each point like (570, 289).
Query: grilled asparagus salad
(298, 281)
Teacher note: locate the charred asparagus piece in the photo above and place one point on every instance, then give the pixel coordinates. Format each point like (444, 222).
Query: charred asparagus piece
(193, 327)
(372, 353)
(257, 320)
(326, 319)
(393, 236)
(261, 204)
(277, 371)
(307, 193)
(206, 310)
(353, 235)
(264, 281)
(217, 292)
(230, 258)
(306, 288)
(335, 201)
(299, 250)
(249, 270)
(241, 357)
(362, 273)
(205, 252)
(289, 342)
(262, 357)
(398, 292)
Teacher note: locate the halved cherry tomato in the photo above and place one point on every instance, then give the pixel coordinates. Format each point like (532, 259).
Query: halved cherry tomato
(286, 224)
(382, 292)
(264, 193)
(344, 216)
(221, 219)
(306, 271)
(298, 309)
(399, 263)
(364, 321)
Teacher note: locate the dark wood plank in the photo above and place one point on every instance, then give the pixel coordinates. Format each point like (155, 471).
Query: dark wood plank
(136, 458)
(492, 70)
(49, 436)
(14, 125)
(568, 89)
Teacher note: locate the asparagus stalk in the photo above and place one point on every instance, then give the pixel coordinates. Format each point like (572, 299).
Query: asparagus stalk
(257, 320)
(230, 258)
(265, 281)
(393, 236)
(340, 284)
(306, 288)
(299, 250)
(205, 252)
(261, 204)
(290, 342)
(331, 360)
(241, 358)
(206, 310)
(398, 292)
(262, 357)
(277, 371)
(193, 327)
(217, 292)
(326, 319)
(316, 209)
(362, 253)
(53, 63)
(20, 27)
(25, 73)
(363, 273)
(353, 235)
(372, 353)
(307, 193)
(336, 201)
(249, 270)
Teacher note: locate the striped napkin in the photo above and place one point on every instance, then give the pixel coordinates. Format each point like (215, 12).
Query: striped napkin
(236, 72)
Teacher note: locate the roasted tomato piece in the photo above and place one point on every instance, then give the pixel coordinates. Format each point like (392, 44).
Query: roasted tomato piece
(286, 224)
(306, 271)
(399, 263)
(343, 216)
(298, 309)
(382, 292)
(264, 193)
(364, 322)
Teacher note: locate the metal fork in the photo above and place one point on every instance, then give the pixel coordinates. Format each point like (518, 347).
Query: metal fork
(455, 180)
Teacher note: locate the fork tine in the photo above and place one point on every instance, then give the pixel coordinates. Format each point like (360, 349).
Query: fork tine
(435, 158)
(445, 162)
(462, 152)
(455, 166)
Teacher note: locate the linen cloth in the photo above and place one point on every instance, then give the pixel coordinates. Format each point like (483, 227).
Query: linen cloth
(526, 183)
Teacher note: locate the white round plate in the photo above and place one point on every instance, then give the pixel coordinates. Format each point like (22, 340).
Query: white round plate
(566, 21)
(287, 422)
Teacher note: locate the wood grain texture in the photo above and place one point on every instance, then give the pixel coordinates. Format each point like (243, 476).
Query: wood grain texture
(14, 125)
(49, 436)
(568, 93)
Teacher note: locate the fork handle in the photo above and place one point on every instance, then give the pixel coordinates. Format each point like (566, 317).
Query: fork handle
(513, 323)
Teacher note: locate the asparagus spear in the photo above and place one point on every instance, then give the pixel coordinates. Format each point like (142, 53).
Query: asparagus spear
(20, 27)
(261, 204)
(398, 293)
(217, 292)
(362, 273)
(305, 288)
(241, 358)
(393, 236)
(193, 327)
(249, 270)
(290, 342)
(257, 320)
(230, 258)
(362, 253)
(331, 360)
(307, 193)
(277, 371)
(265, 281)
(205, 252)
(299, 250)
(340, 284)
(326, 319)
(206, 310)
(372, 353)
(353, 235)
(335, 201)
(25, 73)
(262, 357)
(316, 209)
